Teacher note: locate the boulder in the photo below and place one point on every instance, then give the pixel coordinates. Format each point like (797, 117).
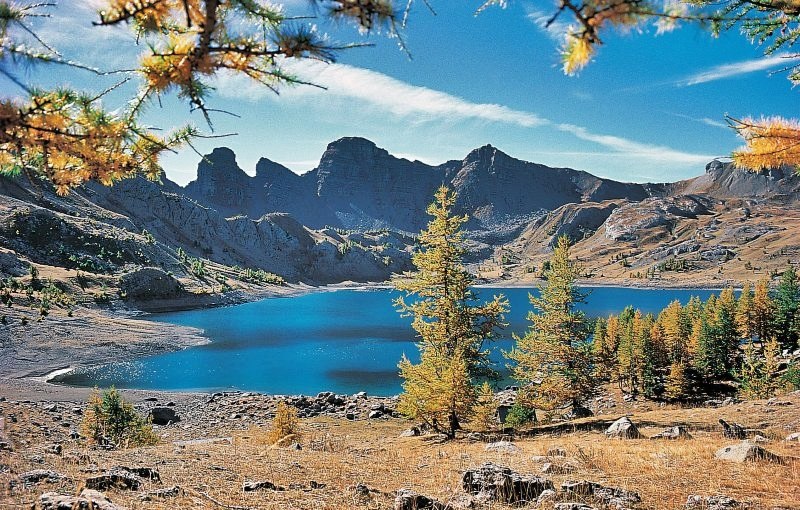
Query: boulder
(732, 430)
(39, 475)
(262, 485)
(572, 506)
(746, 452)
(623, 429)
(498, 483)
(163, 416)
(502, 447)
(793, 437)
(412, 432)
(167, 492)
(87, 500)
(407, 499)
(673, 433)
(695, 502)
(118, 478)
(613, 497)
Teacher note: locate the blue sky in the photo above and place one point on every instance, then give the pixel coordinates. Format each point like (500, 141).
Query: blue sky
(648, 108)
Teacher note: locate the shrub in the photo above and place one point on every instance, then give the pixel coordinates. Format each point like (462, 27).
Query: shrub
(485, 415)
(110, 420)
(285, 423)
(520, 415)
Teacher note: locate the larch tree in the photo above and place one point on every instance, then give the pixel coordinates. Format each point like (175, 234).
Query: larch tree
(553, 360)
(763, 307)
(452, 326)
(676, 329)
(744, 312)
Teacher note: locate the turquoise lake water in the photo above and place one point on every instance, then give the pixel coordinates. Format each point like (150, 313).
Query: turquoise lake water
(343, 341)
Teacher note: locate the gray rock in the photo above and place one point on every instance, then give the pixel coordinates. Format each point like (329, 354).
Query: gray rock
(746, 452)
(795, 437)
(718, 502)
(116, 478)
(673, 433)
(262, 485)
(163, 416)
(412, 432)
(732, 430)
(503, 447)
(498, 483)
(39, 475)
(374, 414)
(167, 492)
(623, 429)
(408, 499)
(572, 506)
(87, 500)
(546, 495)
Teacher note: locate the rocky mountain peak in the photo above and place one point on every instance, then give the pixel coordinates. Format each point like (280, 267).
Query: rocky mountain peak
(268, 169)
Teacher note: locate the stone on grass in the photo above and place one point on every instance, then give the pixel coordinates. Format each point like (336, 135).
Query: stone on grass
(502, 447)
(623, 429)
(793, 437)
(262, 485)
(732, 430)
(87, 500)
(498, 483)
(673, 433)
(572, 506)
(39, 475)
(163, 416)
(412, 432)
(167, 492)
(746, 452)
(556, 451)
(115, 478)
(719, 502)
(408, 499)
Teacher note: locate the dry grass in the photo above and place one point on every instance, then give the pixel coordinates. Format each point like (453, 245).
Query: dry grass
(343, 454)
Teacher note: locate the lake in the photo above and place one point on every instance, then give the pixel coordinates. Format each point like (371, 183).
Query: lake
(343, 341)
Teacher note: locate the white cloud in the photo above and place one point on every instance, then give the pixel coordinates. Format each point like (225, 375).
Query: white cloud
(747, 66)
(404, 100)
(635, 149)
(381, 91)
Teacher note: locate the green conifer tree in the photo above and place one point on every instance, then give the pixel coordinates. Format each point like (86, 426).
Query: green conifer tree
(553, 360)
(785, 324)
(451, 325)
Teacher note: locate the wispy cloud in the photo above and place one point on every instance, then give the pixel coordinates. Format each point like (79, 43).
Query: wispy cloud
(409, 101)
(633, 148)
(384, 92)
(737, 68)
(702, 120)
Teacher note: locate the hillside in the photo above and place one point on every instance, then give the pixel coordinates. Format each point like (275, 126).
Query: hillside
(724, 226)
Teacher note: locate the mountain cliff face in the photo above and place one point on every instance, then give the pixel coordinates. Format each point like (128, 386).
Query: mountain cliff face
(358, 185)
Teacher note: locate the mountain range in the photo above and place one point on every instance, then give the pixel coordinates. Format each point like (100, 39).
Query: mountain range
(353, 218)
